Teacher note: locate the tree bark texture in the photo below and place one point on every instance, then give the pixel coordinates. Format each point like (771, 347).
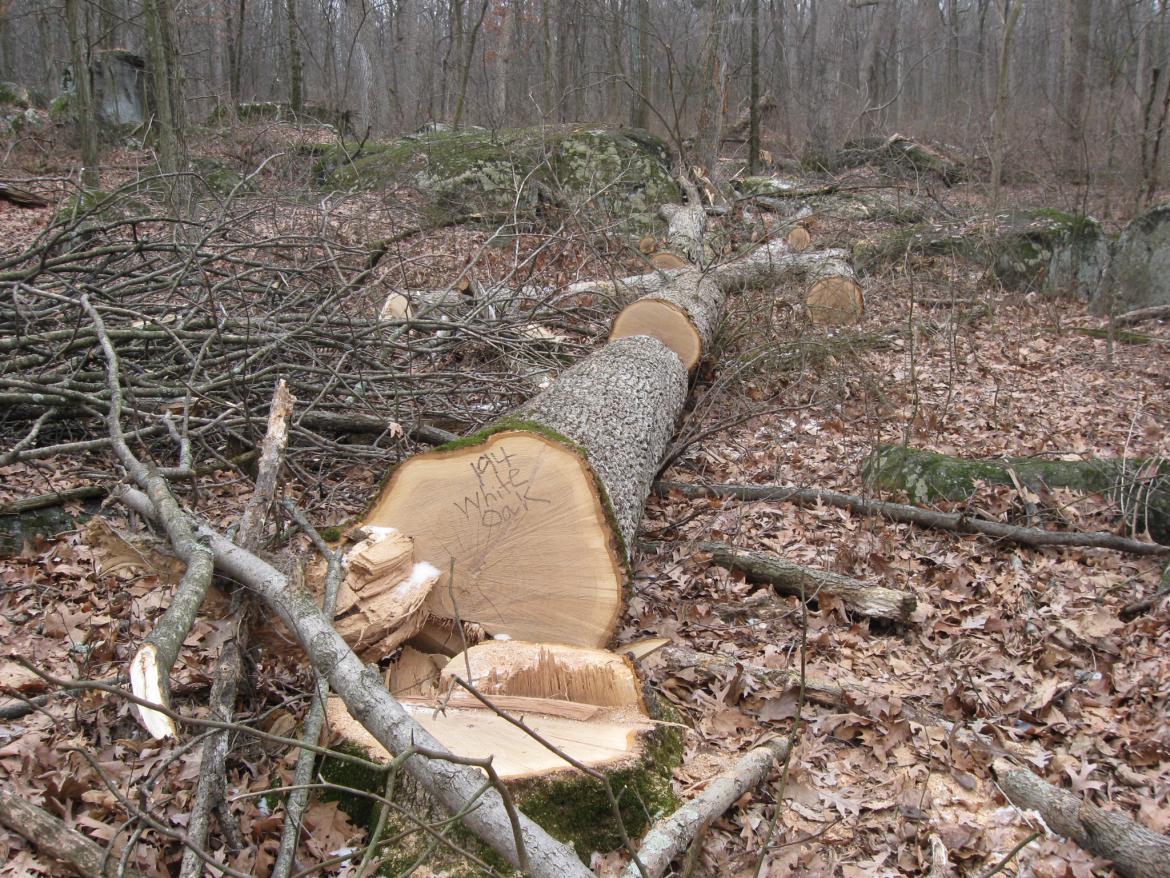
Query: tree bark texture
(1135, 851)
(787, 578)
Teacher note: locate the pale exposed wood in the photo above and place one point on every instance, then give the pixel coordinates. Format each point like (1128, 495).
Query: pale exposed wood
(835, 300)
(665, 261)
(519, 505)
(545, 670)
(530, 526)
(799, 239)
(647, 245)
(601, 742)
(664, 320)
(376, 616)
(383, 554)
(518, 705)
(639, 649)
(415, 674)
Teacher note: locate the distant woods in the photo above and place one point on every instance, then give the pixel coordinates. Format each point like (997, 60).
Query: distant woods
(1073, 87)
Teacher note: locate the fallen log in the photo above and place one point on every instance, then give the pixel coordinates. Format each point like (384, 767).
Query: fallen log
(1141, 488)
(52, 837)
(787, 578)
(680, 658)
(669, 838)
(687, 226)
(1135, 851)
(531, 520)
(952, 521)
(683, 314)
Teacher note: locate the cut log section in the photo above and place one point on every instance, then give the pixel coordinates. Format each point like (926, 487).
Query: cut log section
(834, 296)
(585, 703)
(530, 519)
(798, 239)
(683, 315)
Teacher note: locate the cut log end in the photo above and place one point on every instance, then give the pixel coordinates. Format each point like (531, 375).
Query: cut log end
(835, 301)
(517, 527)
(799, 239)
(665, 321)
(665, 261)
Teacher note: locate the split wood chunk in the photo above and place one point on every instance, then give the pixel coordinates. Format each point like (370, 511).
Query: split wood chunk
(381, 601)
(683, 315)
(588, 701)
(799, 239)
(531, 519)
(415, 674)
(547, 670)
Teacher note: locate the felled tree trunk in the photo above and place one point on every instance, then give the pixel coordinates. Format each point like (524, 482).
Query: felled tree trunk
(531, 519)
(902, 154)
(1141, 488)
(683, 314)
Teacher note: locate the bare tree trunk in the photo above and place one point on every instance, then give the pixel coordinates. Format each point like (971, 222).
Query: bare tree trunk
(1080, 14)
(640, 102)
(465, 72)
(710, 131)
(296, 96)
(83, 97)
(166, 74)
(754, 120)
(1010, 13)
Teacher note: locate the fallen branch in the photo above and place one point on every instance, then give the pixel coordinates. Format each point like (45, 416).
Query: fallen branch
(1154, 312)
(1135, 851)
(900, 512)
(51, 836)
(52, 498)
(209, 791)
(367, 699)
(679, 658)
(670, 837)
(793, 579)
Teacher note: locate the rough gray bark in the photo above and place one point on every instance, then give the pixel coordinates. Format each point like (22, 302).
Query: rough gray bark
(687, 226)
(365, 696)
(1141, 488)
(1135, 851)
(620, 405)
(83, 95)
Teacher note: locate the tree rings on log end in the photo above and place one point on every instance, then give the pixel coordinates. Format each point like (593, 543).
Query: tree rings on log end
(664, 321)
(518, 529)
(835, 301)
(799, 239)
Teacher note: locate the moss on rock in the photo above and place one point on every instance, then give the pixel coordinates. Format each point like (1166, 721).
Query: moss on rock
(625, 172)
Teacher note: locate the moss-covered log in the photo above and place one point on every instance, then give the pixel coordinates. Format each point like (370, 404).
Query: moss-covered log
(531, 519)
(1140, 487)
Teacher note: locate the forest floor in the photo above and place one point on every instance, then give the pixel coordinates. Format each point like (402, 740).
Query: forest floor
(1023, 647)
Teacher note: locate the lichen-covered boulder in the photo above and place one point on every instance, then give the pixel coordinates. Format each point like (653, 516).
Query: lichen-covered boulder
(467, 173)
(1050, 250)
(1139, 272)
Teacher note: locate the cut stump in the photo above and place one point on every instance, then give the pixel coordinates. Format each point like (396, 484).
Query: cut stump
(531, 519)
